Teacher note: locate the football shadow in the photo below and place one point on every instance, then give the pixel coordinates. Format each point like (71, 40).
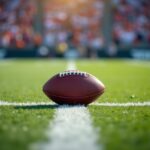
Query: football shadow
(49, 106)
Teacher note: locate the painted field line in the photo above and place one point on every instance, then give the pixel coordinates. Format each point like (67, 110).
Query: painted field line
(71, 128)
(71, 65)
(6, 103)
(128, 104)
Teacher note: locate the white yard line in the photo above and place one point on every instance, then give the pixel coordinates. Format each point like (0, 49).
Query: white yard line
(71, 129)
(6, 103)
(71, 65)
(127, 104)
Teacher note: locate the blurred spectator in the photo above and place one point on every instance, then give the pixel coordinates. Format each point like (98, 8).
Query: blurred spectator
(77, 23)
(16, 24)
(131, 22)
(74, 22)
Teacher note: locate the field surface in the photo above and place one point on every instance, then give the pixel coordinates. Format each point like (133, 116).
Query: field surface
(124, 128)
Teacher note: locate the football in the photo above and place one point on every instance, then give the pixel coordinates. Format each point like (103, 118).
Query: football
(73, 87)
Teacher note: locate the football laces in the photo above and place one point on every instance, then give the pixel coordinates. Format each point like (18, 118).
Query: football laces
(72, 72)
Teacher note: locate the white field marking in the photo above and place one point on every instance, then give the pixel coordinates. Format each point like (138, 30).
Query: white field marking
(6, 103)
(71, 65)
(71, 128)
(128, 104)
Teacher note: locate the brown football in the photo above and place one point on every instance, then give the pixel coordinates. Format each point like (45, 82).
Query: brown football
(73, 87)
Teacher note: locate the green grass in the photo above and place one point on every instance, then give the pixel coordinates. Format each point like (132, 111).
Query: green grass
(124, 81)
(22, 80)
(123, 128)
(120, 128)
(20, 127)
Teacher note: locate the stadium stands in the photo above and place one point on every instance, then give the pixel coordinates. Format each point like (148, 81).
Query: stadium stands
(131, 22)
(16, 23)
(78, 24)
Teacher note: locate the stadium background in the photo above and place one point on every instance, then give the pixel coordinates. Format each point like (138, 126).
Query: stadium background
(81, 28)
(84, 29)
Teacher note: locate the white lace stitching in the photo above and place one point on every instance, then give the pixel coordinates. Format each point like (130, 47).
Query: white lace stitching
(72, 72)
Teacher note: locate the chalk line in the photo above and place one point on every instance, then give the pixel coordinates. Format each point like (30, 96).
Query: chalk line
(6, 103)
(127, 104)
(71, 129)
(71, 65)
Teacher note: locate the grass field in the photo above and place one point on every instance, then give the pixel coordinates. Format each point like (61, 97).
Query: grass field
(125, 128)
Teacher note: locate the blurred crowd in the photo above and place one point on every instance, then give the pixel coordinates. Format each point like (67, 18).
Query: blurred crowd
(16, 23)
(131, 24)
(73, 22)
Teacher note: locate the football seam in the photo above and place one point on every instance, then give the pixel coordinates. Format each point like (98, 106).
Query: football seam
(51, 95)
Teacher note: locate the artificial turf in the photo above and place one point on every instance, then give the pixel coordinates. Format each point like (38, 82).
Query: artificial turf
(125, 80)
(120, 128)
(22, 126)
